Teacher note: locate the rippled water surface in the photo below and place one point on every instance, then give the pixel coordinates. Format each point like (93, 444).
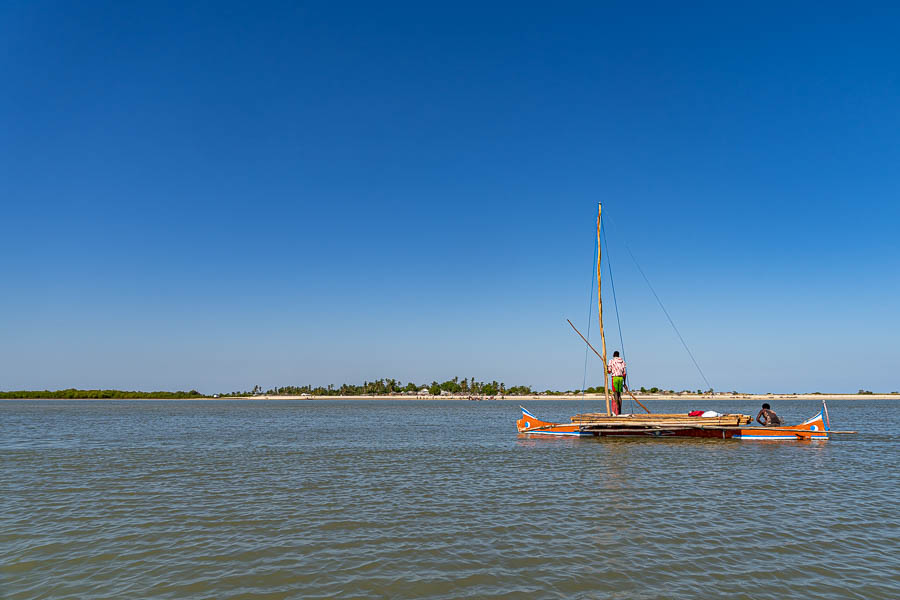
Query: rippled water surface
(430, 499)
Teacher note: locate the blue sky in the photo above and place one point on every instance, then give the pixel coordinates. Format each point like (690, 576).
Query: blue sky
(215, 195)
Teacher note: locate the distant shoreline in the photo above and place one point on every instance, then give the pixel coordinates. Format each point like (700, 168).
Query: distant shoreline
(730, 397)
(529, 397)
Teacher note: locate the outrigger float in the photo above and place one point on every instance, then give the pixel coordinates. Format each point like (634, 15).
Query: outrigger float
(657, 425)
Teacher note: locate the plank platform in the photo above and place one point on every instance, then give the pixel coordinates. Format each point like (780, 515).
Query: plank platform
(659, 420)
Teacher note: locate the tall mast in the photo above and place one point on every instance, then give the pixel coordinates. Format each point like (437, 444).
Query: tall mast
(600, 313)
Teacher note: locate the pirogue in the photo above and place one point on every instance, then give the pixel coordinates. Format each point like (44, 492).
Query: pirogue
(716, 425)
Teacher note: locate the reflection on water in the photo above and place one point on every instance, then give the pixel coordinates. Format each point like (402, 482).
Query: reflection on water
(434, 499)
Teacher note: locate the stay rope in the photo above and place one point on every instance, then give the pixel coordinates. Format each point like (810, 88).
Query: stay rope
(612, 285)
(671, 322)
(590, 315)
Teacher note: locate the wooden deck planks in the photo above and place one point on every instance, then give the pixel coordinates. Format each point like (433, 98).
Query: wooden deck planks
(660, 420)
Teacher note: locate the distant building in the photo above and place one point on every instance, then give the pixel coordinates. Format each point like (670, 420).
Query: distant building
(445, 393)
(423, 392)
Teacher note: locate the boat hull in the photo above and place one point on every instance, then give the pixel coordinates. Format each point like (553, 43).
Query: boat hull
(815, 428)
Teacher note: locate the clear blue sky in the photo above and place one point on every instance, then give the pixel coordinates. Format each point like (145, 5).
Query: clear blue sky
(216, 195)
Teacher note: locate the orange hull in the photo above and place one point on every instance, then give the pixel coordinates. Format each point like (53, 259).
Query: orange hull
(531, 424)
(812, 429)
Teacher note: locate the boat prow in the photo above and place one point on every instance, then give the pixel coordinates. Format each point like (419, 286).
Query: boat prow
(814, 428)
(531, 424)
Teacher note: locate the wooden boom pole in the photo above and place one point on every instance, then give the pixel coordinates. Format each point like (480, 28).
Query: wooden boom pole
(600, 313)
(601, 358)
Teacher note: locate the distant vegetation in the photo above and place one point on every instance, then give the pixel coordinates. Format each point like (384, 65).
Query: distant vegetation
(455, 386)
(88, 394)
(380, 387)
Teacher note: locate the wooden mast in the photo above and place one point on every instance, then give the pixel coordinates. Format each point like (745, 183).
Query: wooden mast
(600, 313)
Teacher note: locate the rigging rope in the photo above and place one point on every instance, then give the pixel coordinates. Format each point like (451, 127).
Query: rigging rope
(671, 322)
(590, 314)
(612, 285)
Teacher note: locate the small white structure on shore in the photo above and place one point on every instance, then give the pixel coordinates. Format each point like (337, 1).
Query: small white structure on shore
(445, 393)
(423, 392)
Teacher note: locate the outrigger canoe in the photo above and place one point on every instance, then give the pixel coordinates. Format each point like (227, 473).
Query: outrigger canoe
(657, 425)
(664, 425)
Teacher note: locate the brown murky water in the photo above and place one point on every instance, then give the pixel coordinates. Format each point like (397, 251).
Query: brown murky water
(434, 499)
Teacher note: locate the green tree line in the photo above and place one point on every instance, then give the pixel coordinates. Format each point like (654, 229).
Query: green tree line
(381, 387)
(92, 394)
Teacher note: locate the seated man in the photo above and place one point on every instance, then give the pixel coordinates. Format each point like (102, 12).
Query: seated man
(767, 416)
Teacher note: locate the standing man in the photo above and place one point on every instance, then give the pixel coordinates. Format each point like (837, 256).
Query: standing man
(618, 372)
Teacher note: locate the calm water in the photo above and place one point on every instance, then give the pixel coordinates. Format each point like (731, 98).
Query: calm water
(433, 499)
